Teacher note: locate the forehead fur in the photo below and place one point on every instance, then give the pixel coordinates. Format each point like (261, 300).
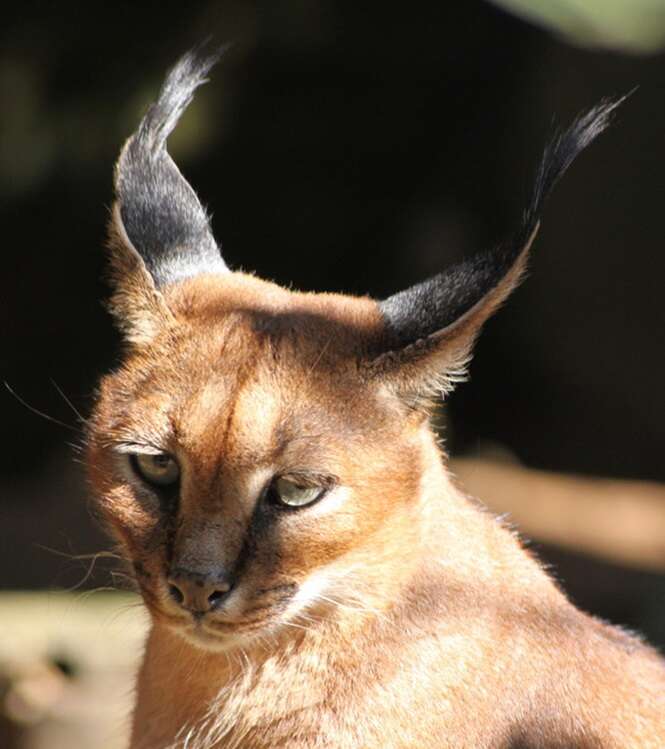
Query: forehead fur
(247, 356)
(338, 319)
(241, 323)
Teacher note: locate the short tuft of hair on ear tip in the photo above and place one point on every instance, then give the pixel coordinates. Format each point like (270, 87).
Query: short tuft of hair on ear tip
(560, 153)
(176, 95)
(160, 213)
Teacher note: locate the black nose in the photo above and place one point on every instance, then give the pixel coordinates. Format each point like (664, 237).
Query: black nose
(198, 592)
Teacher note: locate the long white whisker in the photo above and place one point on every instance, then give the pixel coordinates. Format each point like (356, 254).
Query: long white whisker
(68, 402)
(37, 412)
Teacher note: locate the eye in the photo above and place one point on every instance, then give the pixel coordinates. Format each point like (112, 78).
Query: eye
(292, 494)
(159, 469)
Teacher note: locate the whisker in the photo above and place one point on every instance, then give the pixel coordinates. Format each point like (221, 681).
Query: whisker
(75, 447)
(68, 402)
(351, 605)
(80, 557)
(37, 411)
(297, 626)
(84, 595)
(126, 609)
(86, 577)
(127, 582)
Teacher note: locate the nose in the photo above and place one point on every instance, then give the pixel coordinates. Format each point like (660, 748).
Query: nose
(198, 592)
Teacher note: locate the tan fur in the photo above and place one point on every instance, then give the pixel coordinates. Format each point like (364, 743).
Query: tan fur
(417, 618)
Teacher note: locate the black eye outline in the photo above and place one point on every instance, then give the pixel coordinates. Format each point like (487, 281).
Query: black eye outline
(139, 471)
(274, 498)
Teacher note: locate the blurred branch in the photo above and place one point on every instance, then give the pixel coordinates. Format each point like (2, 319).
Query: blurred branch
(636, 26)
(618, 521)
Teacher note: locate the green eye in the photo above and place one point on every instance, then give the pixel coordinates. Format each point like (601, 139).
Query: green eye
(159, 470)
(292, 494)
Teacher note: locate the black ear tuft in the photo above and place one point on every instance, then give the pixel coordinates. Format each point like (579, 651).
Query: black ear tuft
(560, 153)
(438, 303)
(160, 213)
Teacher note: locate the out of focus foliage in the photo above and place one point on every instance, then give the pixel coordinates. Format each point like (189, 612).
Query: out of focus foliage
(626, 25)
(67, 663)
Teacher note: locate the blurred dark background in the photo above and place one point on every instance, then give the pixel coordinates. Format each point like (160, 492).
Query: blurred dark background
(357, 147)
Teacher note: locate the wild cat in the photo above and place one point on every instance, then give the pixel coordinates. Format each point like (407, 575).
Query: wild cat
(265, 461)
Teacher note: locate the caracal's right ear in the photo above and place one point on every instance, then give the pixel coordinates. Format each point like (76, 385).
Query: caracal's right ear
(159, 232)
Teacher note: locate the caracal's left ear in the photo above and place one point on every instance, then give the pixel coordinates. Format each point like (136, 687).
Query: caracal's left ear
(159, 232)
(430, 328)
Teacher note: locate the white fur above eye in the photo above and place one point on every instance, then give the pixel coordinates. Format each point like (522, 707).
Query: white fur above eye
(332, 501)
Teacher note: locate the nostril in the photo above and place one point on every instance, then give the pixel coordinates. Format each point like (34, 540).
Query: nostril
(176, 594)
(218, 595)
(197, 592)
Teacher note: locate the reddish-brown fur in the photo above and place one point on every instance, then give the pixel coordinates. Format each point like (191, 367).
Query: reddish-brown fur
(422, 621)
(389, 611)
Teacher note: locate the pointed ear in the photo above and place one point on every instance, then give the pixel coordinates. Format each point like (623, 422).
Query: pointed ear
(430, 328)
(159, 232)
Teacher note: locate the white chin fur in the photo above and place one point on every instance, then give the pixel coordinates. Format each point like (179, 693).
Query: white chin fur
(215, 643)
(308, 593)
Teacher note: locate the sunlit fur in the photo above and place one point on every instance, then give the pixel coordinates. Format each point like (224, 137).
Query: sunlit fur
(394, 612)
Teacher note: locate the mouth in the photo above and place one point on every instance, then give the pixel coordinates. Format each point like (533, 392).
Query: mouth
(230, 625)
(205, 636)
(214, 634)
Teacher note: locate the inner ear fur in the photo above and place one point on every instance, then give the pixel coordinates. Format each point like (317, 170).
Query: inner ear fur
(429, 329)
(139, 308)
